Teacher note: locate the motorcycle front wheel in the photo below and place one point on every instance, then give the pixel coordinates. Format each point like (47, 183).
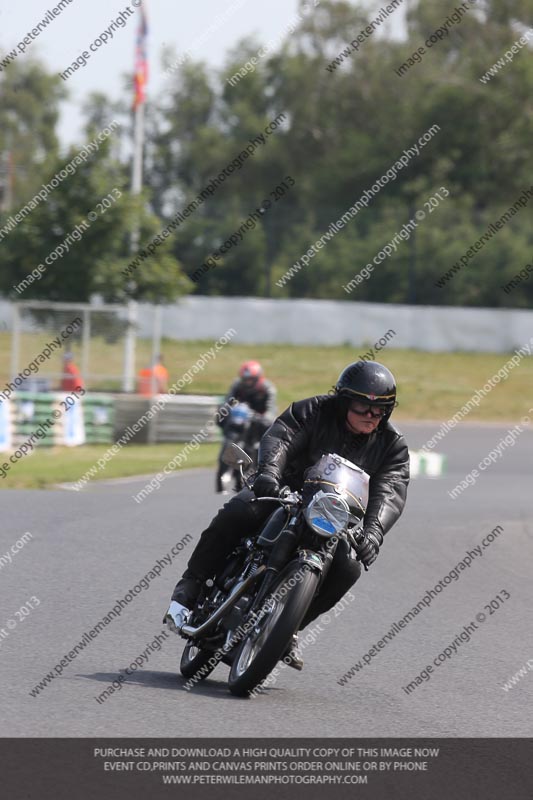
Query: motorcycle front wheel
(266, 643)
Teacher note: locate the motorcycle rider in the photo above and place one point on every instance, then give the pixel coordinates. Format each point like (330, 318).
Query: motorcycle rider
(250, 387)
(354, 423)
(253, 388)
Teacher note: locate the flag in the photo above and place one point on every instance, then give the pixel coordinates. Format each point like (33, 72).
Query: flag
(141, 60)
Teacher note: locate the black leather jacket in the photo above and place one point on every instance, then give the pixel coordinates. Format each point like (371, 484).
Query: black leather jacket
(310, 428)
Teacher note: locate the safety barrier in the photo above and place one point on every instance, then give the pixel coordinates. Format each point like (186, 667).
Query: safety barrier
(104, 418)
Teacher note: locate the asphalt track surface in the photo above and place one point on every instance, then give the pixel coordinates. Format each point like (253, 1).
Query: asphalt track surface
(89, 548)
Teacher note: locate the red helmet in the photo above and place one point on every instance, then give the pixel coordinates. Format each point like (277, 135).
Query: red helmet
(251, 373)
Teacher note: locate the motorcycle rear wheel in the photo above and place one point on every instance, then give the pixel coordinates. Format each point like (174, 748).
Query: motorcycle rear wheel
(263, 647)
(195, 662)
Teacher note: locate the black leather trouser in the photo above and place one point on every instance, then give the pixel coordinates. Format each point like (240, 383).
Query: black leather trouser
(240, 517)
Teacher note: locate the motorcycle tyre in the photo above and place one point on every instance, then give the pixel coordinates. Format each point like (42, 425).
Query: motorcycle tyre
(295, 604)
(189, 667)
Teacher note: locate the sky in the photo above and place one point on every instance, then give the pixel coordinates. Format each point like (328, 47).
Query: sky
(173, 23)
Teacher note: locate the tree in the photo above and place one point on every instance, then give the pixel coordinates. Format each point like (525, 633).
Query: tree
(349, 115)
(28, 138)
(76, 242)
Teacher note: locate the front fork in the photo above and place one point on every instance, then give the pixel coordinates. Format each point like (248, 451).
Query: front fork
(279, 557)
(283, 550)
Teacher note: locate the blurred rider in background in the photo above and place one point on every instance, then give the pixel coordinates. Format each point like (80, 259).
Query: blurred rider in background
(253, 388)
(253, 409)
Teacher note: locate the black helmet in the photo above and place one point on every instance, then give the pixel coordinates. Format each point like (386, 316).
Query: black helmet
(369, 382)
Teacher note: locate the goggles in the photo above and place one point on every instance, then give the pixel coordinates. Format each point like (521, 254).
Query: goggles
(362, 409)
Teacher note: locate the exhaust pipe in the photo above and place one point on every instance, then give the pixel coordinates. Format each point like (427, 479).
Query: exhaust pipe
(188, 630)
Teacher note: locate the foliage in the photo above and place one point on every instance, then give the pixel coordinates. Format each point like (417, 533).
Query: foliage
(344, 128)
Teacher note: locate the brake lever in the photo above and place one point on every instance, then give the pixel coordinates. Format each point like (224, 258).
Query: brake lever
(355, 539)
(288, 496)
(284, 492)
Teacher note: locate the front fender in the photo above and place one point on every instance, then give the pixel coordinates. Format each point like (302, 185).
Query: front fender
(312, 559)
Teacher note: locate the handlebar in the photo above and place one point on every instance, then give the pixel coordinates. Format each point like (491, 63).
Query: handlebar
(285, 501)
(286, 497)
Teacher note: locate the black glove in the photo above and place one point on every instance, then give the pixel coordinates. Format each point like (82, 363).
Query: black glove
(368, 549)
(265, 485)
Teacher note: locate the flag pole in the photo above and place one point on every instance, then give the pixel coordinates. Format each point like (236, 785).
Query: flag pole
(136, 189)
(137, 167)
(140, 79)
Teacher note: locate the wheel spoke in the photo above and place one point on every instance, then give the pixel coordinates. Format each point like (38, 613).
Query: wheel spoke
(255, 639)
(192, 652)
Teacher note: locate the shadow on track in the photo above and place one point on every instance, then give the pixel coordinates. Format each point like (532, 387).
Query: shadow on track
(167, 680)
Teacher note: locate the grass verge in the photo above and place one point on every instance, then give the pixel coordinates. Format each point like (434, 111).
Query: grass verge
(430, 386)
(54, 465)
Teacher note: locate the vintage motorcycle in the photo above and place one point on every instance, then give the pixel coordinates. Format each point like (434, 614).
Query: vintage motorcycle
(238, 429)
(246, 617)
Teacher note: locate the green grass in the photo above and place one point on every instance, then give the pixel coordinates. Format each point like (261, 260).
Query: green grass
(52, 465)
(430, 386)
